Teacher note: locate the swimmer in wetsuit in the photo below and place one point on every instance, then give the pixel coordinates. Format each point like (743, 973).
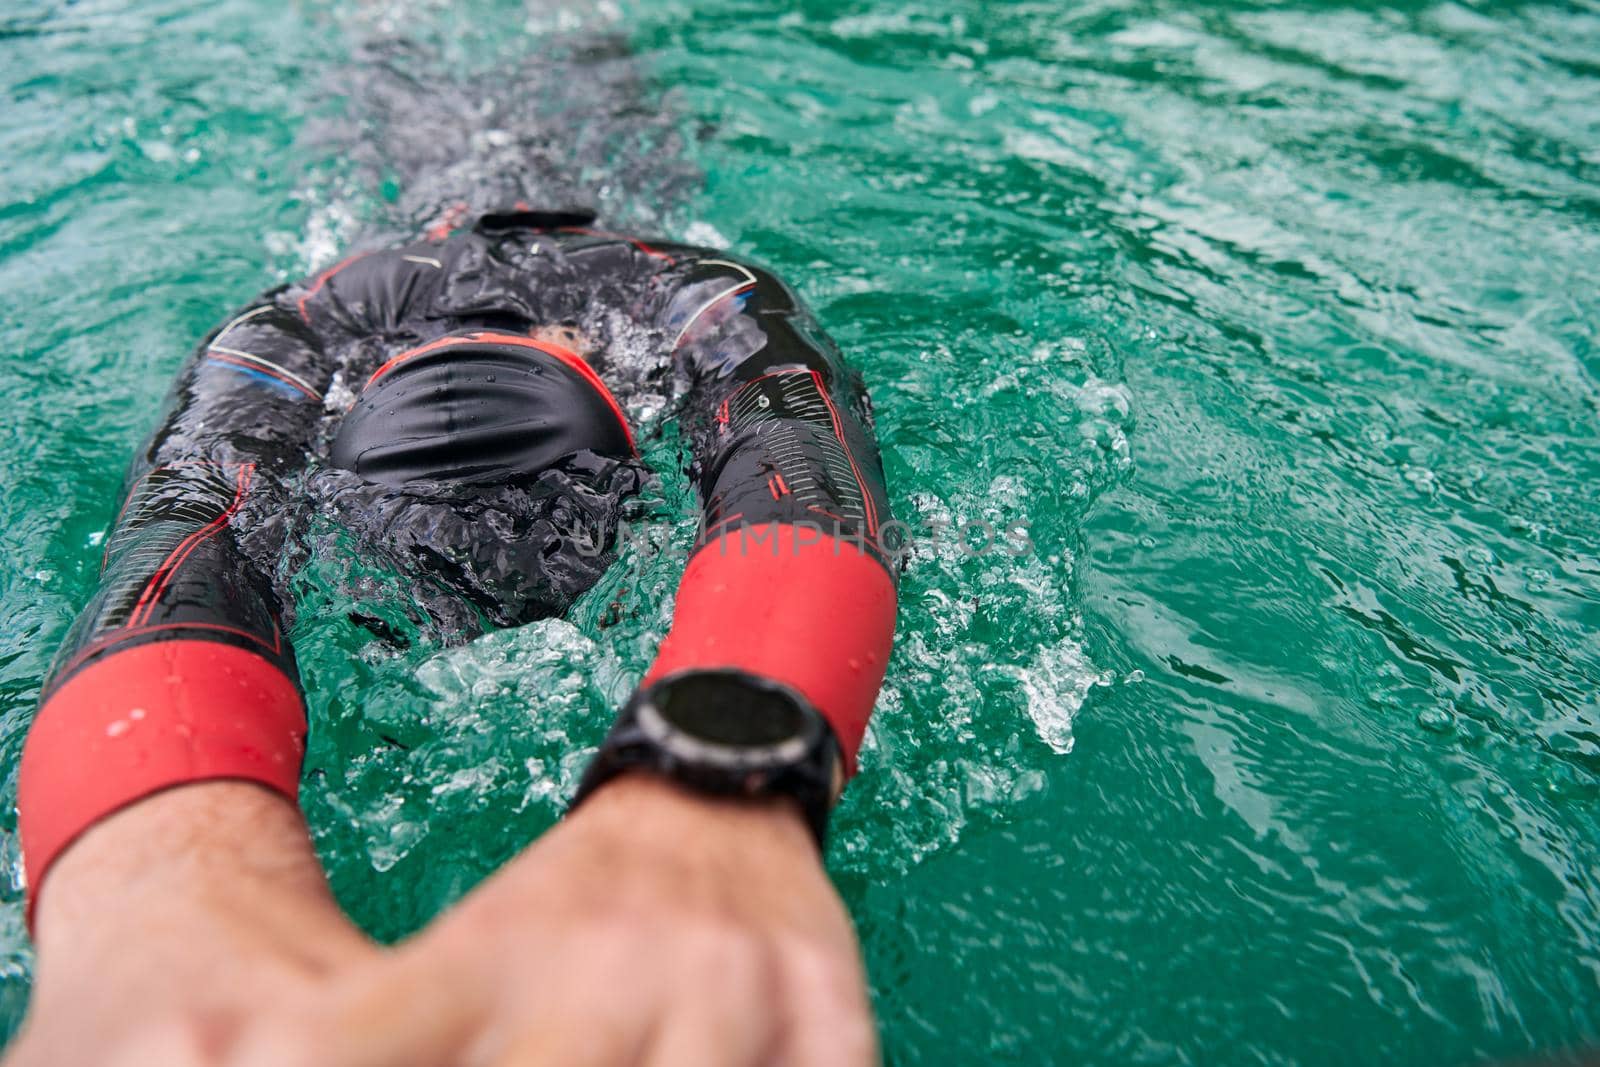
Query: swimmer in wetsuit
(462, 389)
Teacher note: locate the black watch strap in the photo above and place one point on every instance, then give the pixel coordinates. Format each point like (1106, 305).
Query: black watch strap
(725, 733)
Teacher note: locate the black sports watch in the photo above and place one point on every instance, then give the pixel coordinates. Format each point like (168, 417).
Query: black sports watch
(727, 733)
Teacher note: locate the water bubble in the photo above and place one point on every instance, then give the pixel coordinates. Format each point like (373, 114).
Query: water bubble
(703, 233)
(1422, 479)
(158, 151)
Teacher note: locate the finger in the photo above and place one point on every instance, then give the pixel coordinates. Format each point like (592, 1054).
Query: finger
(828, 1016)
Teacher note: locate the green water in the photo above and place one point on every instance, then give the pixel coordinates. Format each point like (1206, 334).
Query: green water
(1274, 325)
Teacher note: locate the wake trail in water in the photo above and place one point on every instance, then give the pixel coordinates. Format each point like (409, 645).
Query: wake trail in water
(573, 122)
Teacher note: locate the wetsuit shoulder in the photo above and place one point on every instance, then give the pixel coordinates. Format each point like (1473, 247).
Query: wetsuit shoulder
(382, 292)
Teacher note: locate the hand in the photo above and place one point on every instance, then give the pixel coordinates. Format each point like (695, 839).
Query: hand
(653, 927)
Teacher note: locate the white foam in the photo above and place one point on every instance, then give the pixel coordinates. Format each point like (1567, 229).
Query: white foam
(1056, 686)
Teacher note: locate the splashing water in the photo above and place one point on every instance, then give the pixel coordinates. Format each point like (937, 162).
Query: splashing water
(1236, 372)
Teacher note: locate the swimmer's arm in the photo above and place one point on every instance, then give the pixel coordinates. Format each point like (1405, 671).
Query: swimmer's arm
(796, 530)
(162, 769)
(178, 670)
(794, 507)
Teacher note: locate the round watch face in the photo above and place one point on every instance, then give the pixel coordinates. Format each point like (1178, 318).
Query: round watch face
(726, 718)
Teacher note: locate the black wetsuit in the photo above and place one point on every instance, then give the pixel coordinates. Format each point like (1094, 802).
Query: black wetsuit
(492, 462)
(779, 426)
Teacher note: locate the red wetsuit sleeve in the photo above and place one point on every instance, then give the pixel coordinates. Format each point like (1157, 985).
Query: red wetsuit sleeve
(794, 605)
(147, 718)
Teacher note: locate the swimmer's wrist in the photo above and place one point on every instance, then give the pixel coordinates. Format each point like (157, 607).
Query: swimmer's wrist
(728, 734)
(646, 803)
(173, 846)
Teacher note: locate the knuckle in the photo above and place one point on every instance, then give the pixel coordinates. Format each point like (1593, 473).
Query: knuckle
(736, 954)
(805, 957)
(816, 969)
